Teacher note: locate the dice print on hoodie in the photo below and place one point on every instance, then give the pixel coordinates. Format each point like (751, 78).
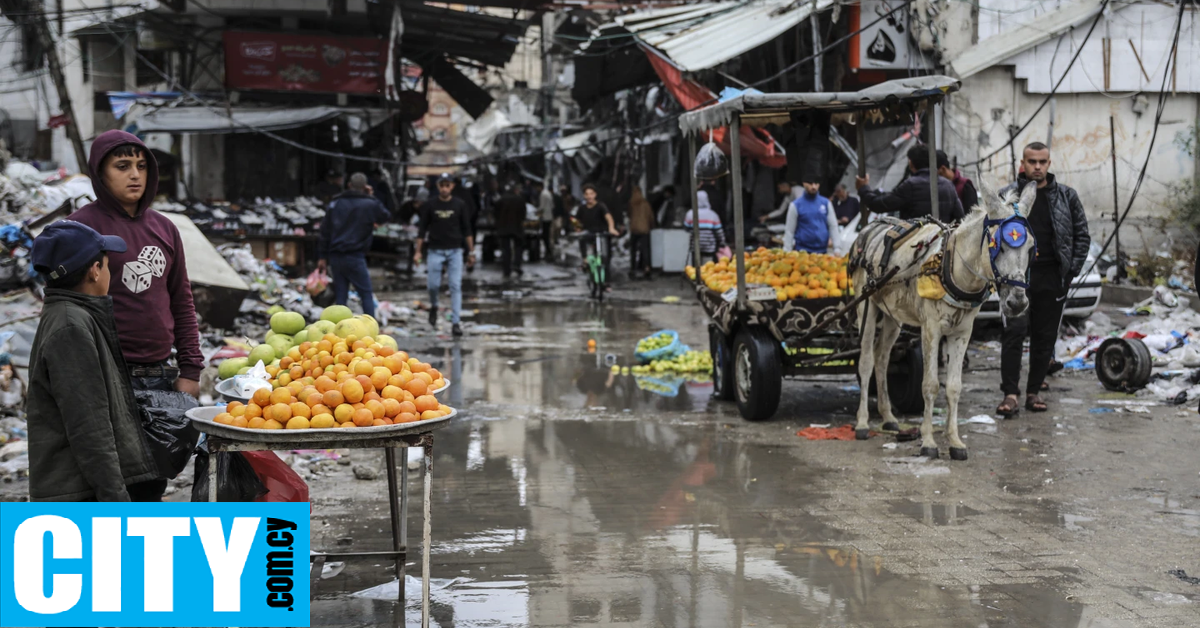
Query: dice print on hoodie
(138, 273)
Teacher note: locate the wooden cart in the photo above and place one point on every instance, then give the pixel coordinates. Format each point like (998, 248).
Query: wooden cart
(756, 343)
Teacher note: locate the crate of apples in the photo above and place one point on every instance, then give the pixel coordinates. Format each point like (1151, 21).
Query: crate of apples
(341, 382)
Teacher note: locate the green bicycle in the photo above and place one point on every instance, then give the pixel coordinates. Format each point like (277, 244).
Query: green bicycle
(593, 266)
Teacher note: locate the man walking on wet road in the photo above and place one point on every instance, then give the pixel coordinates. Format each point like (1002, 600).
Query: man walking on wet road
(345, 238)
(443, 233)
(1060, 232)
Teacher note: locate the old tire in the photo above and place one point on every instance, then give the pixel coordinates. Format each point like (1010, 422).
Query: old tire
(722, 354)
(757, 374)
(1123, 364)
(905, 377)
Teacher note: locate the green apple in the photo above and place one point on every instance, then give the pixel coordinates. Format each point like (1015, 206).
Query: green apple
(336, 313)
(230, 367)
(287, 323)
(264, 353)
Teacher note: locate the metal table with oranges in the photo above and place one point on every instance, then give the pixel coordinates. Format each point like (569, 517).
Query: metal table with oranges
(226, 438)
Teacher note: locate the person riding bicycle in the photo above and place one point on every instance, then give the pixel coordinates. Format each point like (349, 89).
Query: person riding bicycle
(596, 219)
(712, 234)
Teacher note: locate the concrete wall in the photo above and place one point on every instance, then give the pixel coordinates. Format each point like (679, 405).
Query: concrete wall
(978, 118)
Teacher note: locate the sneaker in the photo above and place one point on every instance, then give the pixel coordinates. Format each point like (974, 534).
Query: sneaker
(456, 329)
(433, 316)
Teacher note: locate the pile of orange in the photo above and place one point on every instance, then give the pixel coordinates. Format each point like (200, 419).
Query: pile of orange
(793, 274)
(339, 382)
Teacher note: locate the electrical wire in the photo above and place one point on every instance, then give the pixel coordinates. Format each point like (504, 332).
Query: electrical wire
(1158, 114)
(1013, 136)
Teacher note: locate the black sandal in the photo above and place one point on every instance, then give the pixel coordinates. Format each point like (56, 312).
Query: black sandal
(1008, 409)
(1045, 386)
(1034, 403)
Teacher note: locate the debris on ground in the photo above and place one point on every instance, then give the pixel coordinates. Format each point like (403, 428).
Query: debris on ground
(1182, 575)
(844, 432)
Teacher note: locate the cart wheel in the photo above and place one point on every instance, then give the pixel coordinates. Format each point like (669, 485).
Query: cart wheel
(722, 356)
(904, 381)
(1123, 364)
(757, 374)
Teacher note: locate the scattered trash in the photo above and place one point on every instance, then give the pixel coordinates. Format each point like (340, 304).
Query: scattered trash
(982, 419)
(1100, 410)
(845, 432)
(670, 299)
(890, 445)
(1182, 575)
(1071, 401)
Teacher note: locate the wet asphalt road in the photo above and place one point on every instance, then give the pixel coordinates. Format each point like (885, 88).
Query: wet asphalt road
(568, 496)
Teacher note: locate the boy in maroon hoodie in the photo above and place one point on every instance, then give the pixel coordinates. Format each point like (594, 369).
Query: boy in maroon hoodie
(151, 294)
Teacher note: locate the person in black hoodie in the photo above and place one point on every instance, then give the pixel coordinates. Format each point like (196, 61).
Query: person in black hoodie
(85, 434)
(510, 229)
(345, 238)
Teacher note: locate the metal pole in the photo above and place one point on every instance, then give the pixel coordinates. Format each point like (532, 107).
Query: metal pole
(389, 463)
(695, 208)
(60, 82)
(931, 144)
(1112, 136)
(427, 536)
(403, 526)
(815, 20)
(861, 133)
(739, 235)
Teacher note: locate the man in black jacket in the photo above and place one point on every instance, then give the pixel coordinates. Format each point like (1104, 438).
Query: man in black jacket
(1060, 230)
(510, 229)
(911, 199)
(345, 238)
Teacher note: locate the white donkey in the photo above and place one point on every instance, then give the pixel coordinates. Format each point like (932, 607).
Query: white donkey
(989, 250)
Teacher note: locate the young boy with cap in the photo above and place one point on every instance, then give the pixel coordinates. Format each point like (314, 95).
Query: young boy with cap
(85, 437)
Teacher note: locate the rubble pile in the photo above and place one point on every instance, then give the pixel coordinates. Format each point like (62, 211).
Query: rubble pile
(1169, 328)
(269, 286)
(27, 193)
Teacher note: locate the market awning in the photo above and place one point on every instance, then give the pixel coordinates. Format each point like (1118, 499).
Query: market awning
(756, 109)
(244, 119)
(704, 35)
(756, 144)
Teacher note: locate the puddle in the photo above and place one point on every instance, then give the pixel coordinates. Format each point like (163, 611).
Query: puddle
(932, 514)
(643, 523)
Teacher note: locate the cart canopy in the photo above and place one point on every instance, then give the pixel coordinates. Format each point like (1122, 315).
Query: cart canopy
(896, 99)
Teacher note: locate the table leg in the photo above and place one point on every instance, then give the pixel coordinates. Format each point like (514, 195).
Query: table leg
(212, 476)
(404, 520)
(389, 456)
(428, 533)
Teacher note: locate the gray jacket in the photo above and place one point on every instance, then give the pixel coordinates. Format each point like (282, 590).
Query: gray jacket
(86, 439)
(1070, 225)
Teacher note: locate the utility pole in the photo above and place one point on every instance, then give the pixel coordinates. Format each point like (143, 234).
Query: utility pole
(815, 20)
(37, 17)
(547, 91)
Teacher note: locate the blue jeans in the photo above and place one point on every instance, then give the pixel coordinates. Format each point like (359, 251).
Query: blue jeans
(434, 260)
(352, 269)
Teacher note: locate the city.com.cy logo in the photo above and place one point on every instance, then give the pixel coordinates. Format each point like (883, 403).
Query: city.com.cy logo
(139, 564)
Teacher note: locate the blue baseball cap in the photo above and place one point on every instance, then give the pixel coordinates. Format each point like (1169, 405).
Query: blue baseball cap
(67, 246)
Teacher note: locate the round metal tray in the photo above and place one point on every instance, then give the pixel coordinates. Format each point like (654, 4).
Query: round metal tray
(224, 389)
(202, 418)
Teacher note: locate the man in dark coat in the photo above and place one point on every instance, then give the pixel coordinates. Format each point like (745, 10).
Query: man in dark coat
(910, 199)
(510, 229)
(345, 239)
(1060, 230)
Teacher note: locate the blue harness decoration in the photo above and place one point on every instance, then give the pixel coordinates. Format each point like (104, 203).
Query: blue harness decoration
(1012, 232)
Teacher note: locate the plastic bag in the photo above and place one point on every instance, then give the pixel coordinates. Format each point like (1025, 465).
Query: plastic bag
(662, 353)
(282, 483)
(317, 282)
(236, 479)
(252, 380)
(711, 162)
(725, 253)
(170, 435)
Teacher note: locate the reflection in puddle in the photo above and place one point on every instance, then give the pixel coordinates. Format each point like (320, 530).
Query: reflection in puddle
(642, 523)
(933, 514)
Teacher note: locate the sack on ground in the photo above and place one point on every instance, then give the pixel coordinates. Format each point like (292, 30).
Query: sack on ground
(282, 483)
(711, 162)
(170, 435)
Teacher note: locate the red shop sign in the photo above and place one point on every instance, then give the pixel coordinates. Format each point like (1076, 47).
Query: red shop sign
(311, 63)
